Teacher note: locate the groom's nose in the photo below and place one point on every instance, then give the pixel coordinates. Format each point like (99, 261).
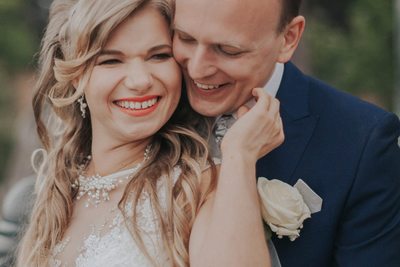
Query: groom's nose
(201, 63)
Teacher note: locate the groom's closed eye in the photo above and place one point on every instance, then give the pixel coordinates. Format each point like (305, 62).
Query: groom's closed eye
(229, 50)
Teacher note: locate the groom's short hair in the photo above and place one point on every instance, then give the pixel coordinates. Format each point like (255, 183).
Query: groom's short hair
(290, 9)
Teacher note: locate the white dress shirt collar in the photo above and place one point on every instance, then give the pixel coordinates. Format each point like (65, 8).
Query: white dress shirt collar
(272, 85)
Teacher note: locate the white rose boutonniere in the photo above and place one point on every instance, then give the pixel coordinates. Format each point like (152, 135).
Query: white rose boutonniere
(282, 207)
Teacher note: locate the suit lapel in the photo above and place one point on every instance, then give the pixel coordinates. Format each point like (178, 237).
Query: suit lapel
(298, 124)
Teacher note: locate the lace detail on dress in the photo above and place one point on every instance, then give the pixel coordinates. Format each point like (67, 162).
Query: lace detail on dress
(112, 245)
(116, 247)
(57, 250)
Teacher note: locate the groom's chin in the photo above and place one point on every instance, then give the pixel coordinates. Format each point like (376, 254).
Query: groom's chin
(203, 107)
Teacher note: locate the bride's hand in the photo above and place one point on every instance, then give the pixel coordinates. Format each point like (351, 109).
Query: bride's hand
(257, 131)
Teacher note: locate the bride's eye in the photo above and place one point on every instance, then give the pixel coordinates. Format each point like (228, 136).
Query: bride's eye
(161, 56)
(110, 61)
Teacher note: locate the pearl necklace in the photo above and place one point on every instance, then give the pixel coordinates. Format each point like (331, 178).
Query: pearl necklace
(98, 187)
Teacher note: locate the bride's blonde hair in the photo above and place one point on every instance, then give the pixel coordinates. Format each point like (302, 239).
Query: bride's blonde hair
(76, 33)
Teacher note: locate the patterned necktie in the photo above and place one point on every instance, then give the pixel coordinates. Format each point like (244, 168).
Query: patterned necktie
(221, 126)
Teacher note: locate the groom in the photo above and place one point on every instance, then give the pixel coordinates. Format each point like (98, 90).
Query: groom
(346, 150)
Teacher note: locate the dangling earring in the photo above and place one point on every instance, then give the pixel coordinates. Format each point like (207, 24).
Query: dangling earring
(82, 106)
(147, 152)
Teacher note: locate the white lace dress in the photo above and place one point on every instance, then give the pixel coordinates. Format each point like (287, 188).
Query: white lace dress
(100, 236)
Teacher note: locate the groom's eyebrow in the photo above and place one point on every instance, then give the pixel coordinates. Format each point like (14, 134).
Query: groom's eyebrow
(180, 31)
(218, 43)
(174, 27)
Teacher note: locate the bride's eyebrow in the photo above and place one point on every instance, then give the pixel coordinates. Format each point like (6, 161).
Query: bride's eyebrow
(159, 47)
(113, 52)
(110, 52)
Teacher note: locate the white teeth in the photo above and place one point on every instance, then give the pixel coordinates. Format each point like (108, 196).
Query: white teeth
(206, 86)
(137, 105)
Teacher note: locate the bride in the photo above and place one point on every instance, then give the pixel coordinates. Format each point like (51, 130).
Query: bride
(126, 178)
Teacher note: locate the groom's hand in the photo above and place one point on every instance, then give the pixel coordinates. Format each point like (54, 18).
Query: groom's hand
(258, 130)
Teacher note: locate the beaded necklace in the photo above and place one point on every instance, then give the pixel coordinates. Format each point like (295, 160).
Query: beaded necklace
(98, 187)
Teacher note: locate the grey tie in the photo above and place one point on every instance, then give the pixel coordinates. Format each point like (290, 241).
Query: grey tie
(222, 125)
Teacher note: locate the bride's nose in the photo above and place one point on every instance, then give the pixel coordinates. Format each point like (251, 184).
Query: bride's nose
(138, 76)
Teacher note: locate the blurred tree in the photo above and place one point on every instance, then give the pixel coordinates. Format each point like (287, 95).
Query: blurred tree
(354, 50)
(350, 44)
(21, 24)
(19, 39)
(334, 13)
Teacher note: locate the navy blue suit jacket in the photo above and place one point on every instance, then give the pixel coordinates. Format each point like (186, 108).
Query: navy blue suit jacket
(347, 151)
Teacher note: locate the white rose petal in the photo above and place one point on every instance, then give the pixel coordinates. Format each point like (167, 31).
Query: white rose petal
(282, 207)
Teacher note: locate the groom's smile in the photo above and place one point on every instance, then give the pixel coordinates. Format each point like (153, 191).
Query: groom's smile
(206, 86)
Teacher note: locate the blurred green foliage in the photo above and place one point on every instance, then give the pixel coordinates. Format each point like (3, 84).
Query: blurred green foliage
(18, 43)
(354, 49)
(7, 118)
(350, 44)
(7, 110)
(19, 40)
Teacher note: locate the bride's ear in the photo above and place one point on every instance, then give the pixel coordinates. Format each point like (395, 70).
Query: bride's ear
(75, 83)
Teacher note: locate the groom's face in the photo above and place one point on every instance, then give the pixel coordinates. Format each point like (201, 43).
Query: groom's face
(225, 49)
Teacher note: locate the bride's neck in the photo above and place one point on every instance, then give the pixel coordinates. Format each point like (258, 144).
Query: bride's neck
(106, 160)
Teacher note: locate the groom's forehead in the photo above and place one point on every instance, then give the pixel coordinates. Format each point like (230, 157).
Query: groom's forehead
(234, 7)
(223, 23)
(241, 15)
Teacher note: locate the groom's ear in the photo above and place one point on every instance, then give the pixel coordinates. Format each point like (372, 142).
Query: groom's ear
(291, 37)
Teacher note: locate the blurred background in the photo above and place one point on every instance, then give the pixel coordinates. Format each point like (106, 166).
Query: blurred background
(351, 44)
